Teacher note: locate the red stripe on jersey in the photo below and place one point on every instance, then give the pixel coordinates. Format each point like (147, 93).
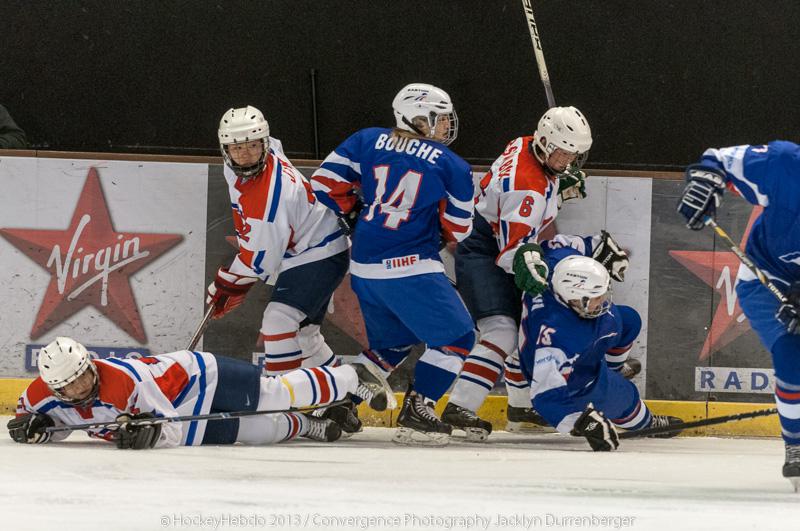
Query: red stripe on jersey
(458, 350)
(480, 370)
(38, 391)
(283, 365)
(515, 376)
(255, 192)
(494, 348)
(631, 416)
(324, 388)
(278, 337)
(516, 232)
(295, 426)
(619, 350)
(246, 256)
(786, 395)
(340, 191)
(116, 387)
(173, 381)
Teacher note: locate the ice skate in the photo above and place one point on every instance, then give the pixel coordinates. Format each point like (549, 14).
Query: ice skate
(324, 430)
(346, 416)
(373, 387)
(630, 368)
(525, 420)
(791, 468)
(475, 428)
(418, 424)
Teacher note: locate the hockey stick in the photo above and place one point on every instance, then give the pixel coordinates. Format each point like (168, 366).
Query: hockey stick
(762, 277)
(648, 432)
(538, 52)
(201, 328)
(114, 425)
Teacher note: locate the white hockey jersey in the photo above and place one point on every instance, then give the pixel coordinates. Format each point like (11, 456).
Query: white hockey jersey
(168, 385)
(279, 222)
(518, 199)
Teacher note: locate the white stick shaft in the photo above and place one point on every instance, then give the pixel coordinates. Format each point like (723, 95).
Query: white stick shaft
(538, 52)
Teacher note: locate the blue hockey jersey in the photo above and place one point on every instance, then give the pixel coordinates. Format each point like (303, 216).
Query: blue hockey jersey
(563, 356)
(767, 175)
(415, 192)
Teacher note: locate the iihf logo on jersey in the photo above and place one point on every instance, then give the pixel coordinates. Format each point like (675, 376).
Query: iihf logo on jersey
(400, 261)
(90, 263)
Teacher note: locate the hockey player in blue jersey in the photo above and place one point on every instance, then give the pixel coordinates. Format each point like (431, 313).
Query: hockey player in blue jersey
(565, 335)
(769, 176)
(415, 193)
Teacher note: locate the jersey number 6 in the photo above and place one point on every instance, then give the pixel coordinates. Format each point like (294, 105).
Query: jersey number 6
(398, 207)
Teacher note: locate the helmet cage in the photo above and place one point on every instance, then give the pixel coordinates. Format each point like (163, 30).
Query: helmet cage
(58, 392)
(582, 306)
(246, 172)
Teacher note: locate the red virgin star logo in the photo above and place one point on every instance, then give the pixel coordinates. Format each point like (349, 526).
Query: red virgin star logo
(90, 263)
(718, 269)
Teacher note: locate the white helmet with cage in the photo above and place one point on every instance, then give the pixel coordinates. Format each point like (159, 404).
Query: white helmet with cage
(583, 284)
(244, 124)
(427, 111)
(563, 128)
(62, 362)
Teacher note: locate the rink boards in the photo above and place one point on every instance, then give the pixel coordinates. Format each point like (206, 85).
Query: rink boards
(159, 230)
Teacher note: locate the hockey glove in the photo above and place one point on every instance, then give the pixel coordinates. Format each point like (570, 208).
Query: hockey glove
(530, 269)
(30, 428)
(598, 430)
(136, 437)
(228, 291)
(789, 313)
(571, 185)
(611, 255)
(347, 222)
(702, 195)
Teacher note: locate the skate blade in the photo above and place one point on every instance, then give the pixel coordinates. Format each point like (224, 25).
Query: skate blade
(795, 483)
(409, 437)
(475, 435)
(391, 401)
(527, 427)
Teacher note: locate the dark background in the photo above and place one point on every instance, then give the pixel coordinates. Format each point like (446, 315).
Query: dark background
(658, 80)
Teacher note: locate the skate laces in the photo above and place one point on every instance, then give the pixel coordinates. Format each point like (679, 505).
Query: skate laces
(793, 452)
(423, 408)
(365, 392)
(466, 412)
(659, 421)
(316, 429)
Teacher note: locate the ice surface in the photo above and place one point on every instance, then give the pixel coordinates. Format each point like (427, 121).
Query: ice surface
(513, 482)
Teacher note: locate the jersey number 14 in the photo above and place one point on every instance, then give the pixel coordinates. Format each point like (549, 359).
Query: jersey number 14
(398, 206)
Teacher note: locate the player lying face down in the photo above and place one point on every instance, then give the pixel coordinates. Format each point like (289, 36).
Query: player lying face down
(134, 394)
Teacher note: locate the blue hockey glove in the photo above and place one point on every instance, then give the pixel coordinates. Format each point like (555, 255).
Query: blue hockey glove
(789, 313)
(702, 195)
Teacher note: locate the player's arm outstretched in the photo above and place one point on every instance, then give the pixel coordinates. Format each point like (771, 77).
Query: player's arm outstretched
(764, 175)
(338, 179)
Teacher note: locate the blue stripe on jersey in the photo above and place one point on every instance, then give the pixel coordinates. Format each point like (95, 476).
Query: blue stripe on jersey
(457, 212)
(504, 231)
(342, 170)
(325, 241)
(117, 361)
(276, 194)
(200, 397)
(182, 395)
(506, 184)
(287, 355)
(490, 362)
(313, 387)
(257, 262)
(333, 382)
(463, 376)
(47, 407)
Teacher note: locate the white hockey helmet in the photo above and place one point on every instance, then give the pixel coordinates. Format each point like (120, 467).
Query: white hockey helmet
(583, 284)
(62, 362)
(565, 128)
(421, 104)
(244, 124)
